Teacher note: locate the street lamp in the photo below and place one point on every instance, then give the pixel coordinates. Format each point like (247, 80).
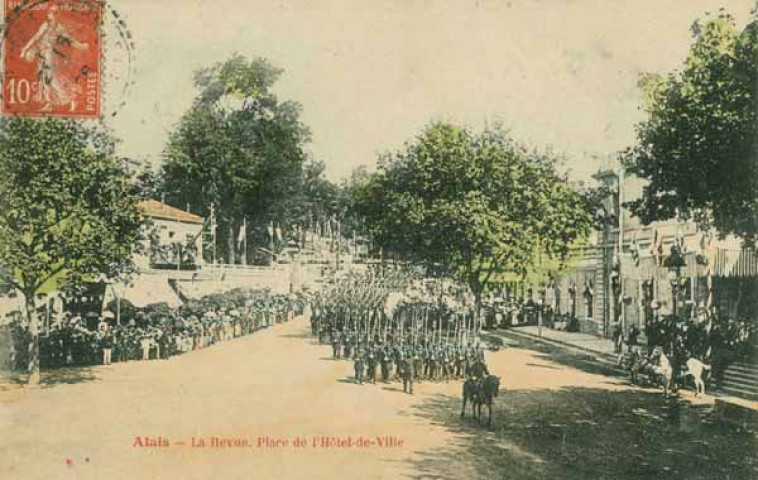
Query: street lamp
(605, 220)
(674, 263)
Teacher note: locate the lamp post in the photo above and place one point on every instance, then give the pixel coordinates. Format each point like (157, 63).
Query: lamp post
(605, 220)
(674, 263)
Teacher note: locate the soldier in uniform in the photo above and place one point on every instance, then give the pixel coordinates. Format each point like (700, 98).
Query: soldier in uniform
(427, 361)
(433, 363)
(408, 373)
(479, 369)
(469, 362)
(348, 345)
(446, 362)
(397, 354)
(459, 361)
(106, 341)
(386, 363)
(418, 360)
(371, 365)
(336, 345)
(358, 367)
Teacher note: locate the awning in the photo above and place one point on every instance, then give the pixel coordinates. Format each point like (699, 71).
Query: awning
(146, 291)
(197, 290)
(736, 263)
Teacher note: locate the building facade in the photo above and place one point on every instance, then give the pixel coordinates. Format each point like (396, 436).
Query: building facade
(174, 238)
(624, 276)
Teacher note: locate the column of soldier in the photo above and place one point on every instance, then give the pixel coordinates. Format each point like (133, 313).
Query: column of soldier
(410, 336)
(153, 333)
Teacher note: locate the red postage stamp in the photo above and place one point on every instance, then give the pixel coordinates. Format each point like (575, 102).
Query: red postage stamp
(51, 58)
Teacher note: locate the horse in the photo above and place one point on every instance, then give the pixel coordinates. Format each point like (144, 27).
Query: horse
(480, 392)
(662, 369)
(634, 363)
(696, 369)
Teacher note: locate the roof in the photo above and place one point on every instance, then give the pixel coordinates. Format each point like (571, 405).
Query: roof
(155, 209)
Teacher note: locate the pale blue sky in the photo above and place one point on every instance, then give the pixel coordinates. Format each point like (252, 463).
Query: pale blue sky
(370, 74)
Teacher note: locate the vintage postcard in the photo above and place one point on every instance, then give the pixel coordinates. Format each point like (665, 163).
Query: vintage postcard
(397, 239)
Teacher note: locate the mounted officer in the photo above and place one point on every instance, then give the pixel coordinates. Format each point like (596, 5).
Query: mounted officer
(479, 368)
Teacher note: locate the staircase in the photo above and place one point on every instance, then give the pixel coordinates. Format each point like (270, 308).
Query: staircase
(740, 380)
(595, 324)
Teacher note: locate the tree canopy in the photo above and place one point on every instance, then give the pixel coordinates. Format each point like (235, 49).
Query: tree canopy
(238, 147)
(698, 148)
(471, 204)
(68, 213)
(68, 210)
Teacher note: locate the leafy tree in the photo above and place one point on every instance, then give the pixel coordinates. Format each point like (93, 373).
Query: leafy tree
(148, 184)
(471, 205)
(698, 148)
(238, 147)
(68, 211)
(318, 196)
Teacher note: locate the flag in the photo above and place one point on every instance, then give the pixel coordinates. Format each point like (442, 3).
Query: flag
(230, 242)
(278, 232)
(653, 243)
(656, 248)
(680, 240)
(634, 249)
(242, 236)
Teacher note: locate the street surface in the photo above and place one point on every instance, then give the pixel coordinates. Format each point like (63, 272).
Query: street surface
(557, 417)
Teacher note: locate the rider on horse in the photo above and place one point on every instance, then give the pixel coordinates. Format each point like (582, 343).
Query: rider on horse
(479, 369)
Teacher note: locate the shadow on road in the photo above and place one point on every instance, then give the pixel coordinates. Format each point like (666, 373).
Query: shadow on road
(69, 376)
(51, 378)
(582, 433)
(542, 366)
(585, 362)
(306, 335)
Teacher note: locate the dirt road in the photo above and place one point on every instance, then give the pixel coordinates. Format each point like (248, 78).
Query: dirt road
(236, 409)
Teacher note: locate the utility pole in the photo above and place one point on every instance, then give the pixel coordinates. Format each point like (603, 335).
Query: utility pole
(213, 233)
(339, 241)
(621, 312)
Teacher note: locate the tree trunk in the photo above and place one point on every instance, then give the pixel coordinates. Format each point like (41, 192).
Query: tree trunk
(33, 368)
(476, 327)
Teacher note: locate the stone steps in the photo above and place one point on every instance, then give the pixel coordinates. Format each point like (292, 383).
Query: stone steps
(740, 379)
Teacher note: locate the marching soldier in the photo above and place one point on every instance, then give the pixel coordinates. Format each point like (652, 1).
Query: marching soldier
(358, 367)
(397, 354)
(433, 363)
(408, 373)
(371, 365)
(386, 363)
(418, 360)
(336, 345)
(459, 362)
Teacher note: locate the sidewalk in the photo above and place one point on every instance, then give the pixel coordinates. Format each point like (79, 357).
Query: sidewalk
(584, 341)
(729, 408)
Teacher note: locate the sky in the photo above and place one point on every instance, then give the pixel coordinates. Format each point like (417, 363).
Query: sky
(560, 74)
